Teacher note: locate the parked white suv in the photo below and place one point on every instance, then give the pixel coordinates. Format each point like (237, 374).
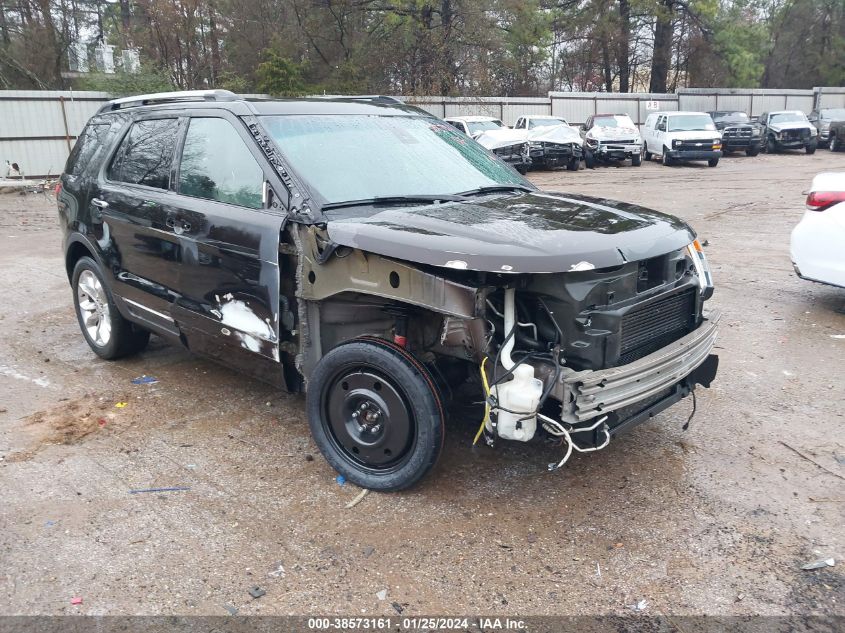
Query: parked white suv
(682, 136)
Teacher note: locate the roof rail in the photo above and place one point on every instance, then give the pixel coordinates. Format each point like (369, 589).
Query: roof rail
(379, 98)
(168, 97)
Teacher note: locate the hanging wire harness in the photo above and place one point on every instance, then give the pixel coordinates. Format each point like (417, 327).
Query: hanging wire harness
(494, 407)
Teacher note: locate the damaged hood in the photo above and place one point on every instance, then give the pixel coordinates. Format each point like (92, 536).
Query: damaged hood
(608, 133)
(531, 232)
(791, 125)
(553, 134)
(503, 137)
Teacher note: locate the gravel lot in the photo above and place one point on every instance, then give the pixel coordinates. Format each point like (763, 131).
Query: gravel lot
(714, 520)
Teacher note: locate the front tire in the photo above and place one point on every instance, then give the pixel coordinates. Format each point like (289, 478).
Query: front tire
(835, 143)
(573, 164)
(667, 160)
(107, 333)
(752, 151)
(771, 146)
(376, 414)
(636, 160)
(646, 153)
(712, 162)
(810, 147)
(589, 159)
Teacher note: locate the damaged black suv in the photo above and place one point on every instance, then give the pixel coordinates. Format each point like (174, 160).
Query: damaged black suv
(369, 255)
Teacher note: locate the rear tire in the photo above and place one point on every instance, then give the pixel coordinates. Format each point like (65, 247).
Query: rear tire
(107, 333)
(401, 443)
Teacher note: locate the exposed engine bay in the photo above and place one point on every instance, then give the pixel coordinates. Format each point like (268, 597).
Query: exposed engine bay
(574, 357)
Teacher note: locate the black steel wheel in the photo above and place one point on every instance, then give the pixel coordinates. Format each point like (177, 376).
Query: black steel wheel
(376, 414)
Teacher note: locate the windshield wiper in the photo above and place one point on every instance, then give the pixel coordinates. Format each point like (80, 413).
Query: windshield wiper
(426, 198)
(493, 189)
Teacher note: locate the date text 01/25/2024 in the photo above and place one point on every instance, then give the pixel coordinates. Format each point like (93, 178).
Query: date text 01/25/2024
(412, 623)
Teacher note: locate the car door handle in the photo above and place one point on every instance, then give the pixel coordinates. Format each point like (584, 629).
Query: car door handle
(100, 204)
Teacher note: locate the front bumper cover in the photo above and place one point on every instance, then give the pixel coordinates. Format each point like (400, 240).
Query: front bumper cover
(588, 394)
(687, 154)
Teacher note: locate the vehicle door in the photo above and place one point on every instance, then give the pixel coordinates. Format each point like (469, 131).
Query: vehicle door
(586, 127)
(814, 118)
(132, 202)
(764, 123)
(228, 304)
(661, 133)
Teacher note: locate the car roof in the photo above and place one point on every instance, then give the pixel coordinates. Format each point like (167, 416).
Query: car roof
(225, 100)
(542, 116)
(786, 112)
(471, 118)
(678, 112)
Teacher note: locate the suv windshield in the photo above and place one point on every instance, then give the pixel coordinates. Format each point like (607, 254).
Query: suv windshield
(691, 123)
(532, 123)
(732, 117)
(481, 126)
(616, 120)
(358, 157)
(787, 117)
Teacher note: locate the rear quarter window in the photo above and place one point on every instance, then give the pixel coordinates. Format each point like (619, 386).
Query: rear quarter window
(87, 145)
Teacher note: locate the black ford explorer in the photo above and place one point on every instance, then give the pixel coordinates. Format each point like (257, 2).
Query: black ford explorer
(369, 255)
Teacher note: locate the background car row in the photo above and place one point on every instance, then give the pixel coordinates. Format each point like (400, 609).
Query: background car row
(542, 141)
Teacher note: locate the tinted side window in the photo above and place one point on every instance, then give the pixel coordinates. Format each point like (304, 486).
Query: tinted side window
(217, 165)
(87, 144)
(146, 153)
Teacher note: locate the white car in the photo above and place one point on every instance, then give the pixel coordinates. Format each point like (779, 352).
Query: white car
(818, 242)
(682, 136)
(551, 141)
(474, 126)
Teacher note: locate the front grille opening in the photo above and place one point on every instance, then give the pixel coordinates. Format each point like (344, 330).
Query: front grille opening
(651, 273)
(647, 328)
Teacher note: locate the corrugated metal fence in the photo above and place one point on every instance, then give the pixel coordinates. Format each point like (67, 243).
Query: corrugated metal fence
(38, 128)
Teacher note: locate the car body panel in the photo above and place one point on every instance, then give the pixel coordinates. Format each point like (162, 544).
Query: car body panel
(816, 243)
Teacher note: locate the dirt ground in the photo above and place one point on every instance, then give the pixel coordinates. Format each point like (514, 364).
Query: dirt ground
(714, 520)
